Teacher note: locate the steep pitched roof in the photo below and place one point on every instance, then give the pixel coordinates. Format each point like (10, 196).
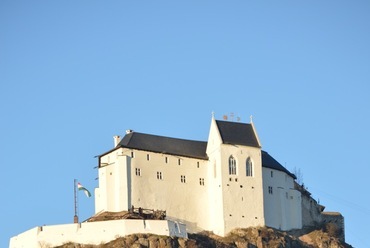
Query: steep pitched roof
(237, 133)
(161, 144)
(270, 162)
(231, 133)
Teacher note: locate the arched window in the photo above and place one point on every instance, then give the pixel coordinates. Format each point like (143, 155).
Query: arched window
(232, 166)
(249, 168)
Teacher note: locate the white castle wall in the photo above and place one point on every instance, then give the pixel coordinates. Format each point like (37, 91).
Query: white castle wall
(235, 200)
(176, 189)
(167, 182)
(220, 203)
(242, 195)
(282, 205)
(179, 190)
(215, 176)
(94, 232)
(114, 191)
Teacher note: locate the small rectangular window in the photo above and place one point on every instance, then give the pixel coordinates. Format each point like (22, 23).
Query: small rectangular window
(148, 157)
(166, 160)
(197, 164)
(270, 190)
(137, 171)
(201, 181)
(183, 179)
(179, 162)
(159, 175)
(272, 174)
(132, 155)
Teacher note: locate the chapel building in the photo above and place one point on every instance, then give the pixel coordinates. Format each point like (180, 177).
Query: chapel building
(217, 185)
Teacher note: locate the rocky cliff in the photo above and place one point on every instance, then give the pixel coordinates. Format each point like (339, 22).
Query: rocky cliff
(261, 237)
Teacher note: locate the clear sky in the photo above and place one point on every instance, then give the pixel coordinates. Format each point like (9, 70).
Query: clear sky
(75, 73)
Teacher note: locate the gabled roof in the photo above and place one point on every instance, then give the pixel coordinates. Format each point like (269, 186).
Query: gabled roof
(161, 144)
(231, 133)
(237, 133)
(270, 162)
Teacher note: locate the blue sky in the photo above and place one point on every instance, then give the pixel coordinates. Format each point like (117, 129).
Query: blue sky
(75, 73)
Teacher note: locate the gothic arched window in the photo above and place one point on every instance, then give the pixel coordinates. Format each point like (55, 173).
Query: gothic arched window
(249, 168)
(232, 166)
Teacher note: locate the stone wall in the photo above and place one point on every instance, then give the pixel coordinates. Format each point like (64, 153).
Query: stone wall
(333, 222)
(311, 210)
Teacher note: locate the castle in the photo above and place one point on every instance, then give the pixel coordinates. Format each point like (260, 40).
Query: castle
(218, 185)
(224, 183)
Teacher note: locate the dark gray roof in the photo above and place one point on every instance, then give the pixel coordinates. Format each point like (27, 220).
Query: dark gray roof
(270, 162)
(231, 132)
(161, 144)
(237, 133)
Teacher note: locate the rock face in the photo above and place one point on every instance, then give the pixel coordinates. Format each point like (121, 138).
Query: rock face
(252, 237)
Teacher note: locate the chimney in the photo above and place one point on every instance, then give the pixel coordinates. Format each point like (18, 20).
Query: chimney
(129, 131)
(116, 139)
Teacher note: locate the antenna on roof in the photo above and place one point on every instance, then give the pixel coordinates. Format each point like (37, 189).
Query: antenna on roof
(232, 116)
(251, 118)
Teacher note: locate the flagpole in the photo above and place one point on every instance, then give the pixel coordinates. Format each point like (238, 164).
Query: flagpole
(75, 218)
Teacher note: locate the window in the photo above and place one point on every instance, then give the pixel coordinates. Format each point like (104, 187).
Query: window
(232, 166)
(147, 157)
(201, 181)
(249, 168)
(166, 160)
(137, 171)
(198, 164)
(179, 161)
(159, 175)
(183, 179)
(270, 190)
(132, 155)
(272, 174)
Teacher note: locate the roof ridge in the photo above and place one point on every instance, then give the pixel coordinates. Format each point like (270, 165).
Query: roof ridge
(168, 137)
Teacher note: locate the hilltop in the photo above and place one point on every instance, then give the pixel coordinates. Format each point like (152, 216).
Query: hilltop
(326, 236)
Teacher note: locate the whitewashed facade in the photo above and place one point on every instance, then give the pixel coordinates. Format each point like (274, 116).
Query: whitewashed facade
(218, 185)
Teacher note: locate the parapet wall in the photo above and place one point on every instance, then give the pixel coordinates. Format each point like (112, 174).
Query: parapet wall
(311, 211)
(94, 232)
(334, 219)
